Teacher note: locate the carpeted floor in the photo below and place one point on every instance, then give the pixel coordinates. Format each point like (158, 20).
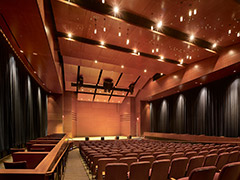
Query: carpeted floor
(74, 167)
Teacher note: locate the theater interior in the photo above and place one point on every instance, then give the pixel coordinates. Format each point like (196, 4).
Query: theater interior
(120, 89)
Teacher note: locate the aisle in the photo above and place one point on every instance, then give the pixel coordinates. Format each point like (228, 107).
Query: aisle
(74, 168)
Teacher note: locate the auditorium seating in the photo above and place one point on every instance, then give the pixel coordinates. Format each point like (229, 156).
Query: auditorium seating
(230, 171)
(116, 171)
(183, 158)
(159, 170)
(15, 165)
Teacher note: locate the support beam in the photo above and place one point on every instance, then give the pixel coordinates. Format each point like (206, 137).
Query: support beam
(115, 86)
(99, 77)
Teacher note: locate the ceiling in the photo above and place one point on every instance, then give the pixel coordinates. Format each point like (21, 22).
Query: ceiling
(209, 22)
(163, 50)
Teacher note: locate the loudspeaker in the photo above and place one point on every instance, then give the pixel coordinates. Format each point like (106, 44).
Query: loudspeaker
(117, 137)
(129, 137)
(86, 138)
(102, 138)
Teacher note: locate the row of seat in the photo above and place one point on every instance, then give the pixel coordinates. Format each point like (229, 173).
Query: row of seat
(186, 156)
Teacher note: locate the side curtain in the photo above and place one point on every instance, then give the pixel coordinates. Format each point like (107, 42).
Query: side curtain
(213, 110)
(23, 104)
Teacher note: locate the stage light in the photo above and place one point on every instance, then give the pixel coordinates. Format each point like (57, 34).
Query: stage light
(116, 9)
(107, 85)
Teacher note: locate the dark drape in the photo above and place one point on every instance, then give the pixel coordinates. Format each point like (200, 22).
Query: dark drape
(212, 110)
(23, 104)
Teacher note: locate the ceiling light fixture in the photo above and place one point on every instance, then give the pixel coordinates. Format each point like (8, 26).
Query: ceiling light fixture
(152, 50)
(96, 61)
(95, 31)
(187, 56)
(162, 57)
(229, 31)
(214, 45)
(159, 24)
(103, 1)
(127, 42)
(238, 34)
(21, 51)
(116, 9)
(35, 72)
(181, 61)
(35, 54)
(138, 53)
(145, 70)
(190, 12)
(69, 35)
(122, 66)
(119, 34)
(192, 37)
(104, 29)
(181, 19)
(152, 28)
(195, 11)
(135, 51)
(156, 49)
(102, 43)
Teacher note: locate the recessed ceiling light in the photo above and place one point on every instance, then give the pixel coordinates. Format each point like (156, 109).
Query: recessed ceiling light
(159, 24)
(195, 11)
(102, 43)
(138, 53)
(35, 54)
(234, 71)
(162, 57)
(187, 56)
(104, 29)
(35, 72)
(181, 19)
(103, 1)
(214, 45)
(145, 70)
(156, 49)
(116, 9)
(181, 61)
(161, 74)
(229, 31)
(96, 61)
(69, 35)
(95, 31)
(135, 51)
(190, 57)
(119, 34)
(152, 28)
(122, 66)
(190, 12)
(192, 37)
(238, 34)
(21, 51)
(152, 50)
(127, 41)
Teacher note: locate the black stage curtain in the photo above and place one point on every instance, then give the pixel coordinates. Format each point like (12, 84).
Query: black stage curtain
(23, 104)
(212, 110)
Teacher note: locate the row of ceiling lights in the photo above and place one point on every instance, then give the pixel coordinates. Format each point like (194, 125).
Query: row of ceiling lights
(159, 25)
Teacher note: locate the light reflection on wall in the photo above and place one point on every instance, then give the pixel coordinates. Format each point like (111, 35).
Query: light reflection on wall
(180, 114)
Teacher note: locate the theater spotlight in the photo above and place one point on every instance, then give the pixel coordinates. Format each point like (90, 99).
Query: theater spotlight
(131, 88)
(107, 85)
(80, 84)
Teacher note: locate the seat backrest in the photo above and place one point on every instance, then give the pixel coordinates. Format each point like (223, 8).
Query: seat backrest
(202, 153)
(95, 162)
(178, 167)
(203, 173)
(213, 151)
(233, 156)
(101, 166)
(155, 154)
(147, 158)
(191, 154)
(177, 155)
(222, 160)
(116, 171)
(144, 154)
(163, 156)
(210, 160)
(194, 162)
(160, 170)
(117, 156)
(139, 170)
(131, 155)
(230, 171)
(15, 165)
(221, 150)
(12, 150)
(128, 160)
